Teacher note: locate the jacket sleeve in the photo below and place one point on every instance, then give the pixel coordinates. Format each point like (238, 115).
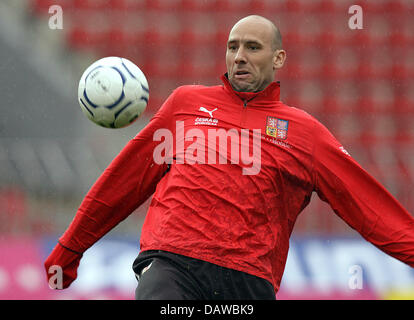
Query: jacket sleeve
(361, 201)
(125, 184)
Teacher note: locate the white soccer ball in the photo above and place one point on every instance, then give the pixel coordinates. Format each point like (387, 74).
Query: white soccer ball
(113, 92)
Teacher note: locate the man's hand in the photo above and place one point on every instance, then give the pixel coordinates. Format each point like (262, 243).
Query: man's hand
(61, 267)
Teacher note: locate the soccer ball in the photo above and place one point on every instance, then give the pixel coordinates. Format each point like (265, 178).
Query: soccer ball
(113, 92)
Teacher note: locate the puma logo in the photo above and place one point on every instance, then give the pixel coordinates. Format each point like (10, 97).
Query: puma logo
(207, 111)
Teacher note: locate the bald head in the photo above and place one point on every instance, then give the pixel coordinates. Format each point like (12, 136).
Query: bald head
(254, 53)
(276, 37)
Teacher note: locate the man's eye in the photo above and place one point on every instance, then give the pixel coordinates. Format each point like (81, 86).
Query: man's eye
(253, 48)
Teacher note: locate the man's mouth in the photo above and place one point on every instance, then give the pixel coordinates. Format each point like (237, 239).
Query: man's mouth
(241, 74)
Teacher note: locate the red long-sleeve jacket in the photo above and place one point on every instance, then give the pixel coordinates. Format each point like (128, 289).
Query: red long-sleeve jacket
(236, 207)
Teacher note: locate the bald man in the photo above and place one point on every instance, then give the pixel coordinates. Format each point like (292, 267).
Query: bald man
(230, 168)
(254, 53)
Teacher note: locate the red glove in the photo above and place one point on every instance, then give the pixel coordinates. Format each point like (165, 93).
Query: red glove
(61, 267)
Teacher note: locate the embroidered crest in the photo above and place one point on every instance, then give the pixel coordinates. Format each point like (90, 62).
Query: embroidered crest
(277, 128)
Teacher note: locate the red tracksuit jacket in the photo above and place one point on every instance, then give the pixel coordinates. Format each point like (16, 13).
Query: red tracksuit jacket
(238, 214)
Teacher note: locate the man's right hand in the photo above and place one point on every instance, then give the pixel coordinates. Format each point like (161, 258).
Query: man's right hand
(61, 267)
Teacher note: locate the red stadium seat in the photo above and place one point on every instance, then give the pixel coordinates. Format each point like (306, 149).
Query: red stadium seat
(187, 37)
(324, 6)
(183, 70)
(190, 5)
(130, 5)
(365, 103)
(373, 7)
(197, 6)
(331, 105)
(310, 64)
(14, 208)
(294, 6)
(119, 5)
(151, 68)
(345, 93)
(151, 36)
(403, 106)
(398, 38)
(395, 6)
(398, 71)
(90, 4)
(405, 100)
(377, 64)
(329, 69)
(366, 70)
(151, 5)
(41, 7)
(384, 96)
(404, 137)
(222, 5)
(116, 36)
(346, 127)
(147, 41)
(327, 38)
(221, 37)
(379, 29)
(81, 39)
(256, 7)
(116, 43)
(219, 68)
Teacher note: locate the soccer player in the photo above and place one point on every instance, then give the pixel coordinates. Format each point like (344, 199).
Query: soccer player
(221, 216)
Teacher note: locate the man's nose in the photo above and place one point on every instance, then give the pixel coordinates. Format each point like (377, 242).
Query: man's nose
(240, 56)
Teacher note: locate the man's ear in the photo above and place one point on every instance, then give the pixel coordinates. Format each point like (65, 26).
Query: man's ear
(279, 59)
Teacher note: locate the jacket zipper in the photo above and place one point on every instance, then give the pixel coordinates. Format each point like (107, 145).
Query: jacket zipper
(243, 115)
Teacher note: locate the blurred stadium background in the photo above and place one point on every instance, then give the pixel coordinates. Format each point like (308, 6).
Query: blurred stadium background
(360, 83)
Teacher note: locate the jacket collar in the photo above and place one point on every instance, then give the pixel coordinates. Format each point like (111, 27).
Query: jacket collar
(270, 93)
